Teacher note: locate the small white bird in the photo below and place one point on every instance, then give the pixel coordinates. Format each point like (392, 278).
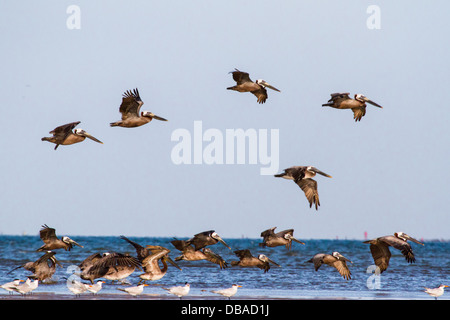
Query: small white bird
(229, 292)
(179, 291)
(11, 285)
(26, 287)
(134, 291)
(77, 287)
(436, 292)
(95, 288)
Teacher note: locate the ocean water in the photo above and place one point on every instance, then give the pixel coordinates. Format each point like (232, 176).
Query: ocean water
(295, 279)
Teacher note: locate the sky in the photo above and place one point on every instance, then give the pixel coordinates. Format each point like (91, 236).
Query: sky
(389, 171)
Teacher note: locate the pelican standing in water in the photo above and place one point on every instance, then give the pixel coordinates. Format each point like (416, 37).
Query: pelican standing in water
(302, 177)
(357, 105)
(379, 248)
(282, 238)
(246, 259)
(335, 260)
(130, 110)
(190, 254)
(152, 270)
(65, 135)
(229, 292)
(179, 291)
(51, 242)
(436, 292)
(206, 238)
(43, 268)
(245, 84)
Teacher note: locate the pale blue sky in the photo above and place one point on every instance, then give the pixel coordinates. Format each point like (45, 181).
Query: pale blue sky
(390, 171)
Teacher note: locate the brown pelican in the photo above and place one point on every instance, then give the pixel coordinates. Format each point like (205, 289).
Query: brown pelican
(246, 259)
(228, 292)
(302, 177)
(134, 291)
(436, 292)
(343, 101)
(111, 266)
(206, 238)
(152, 270)
(179, 291)
(65, 135)
(130, 110)
(190, 254)
(282, 238)
(379, 248)
(245, 84)
(43, 268)
(51, 242)
(335, 260)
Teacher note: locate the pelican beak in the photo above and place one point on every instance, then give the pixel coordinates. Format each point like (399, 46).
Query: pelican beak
(158, 118)
(273, 262)
(373, 103)
(172, 262)
(323, 173)
(413, 240)
(223, 242)
(296, 240)
(87, 135)
(75, 243)
(270, 86)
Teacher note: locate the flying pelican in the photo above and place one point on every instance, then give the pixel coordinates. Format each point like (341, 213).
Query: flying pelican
(43, 268)
(229, 292)
(302, 177)
(436, 292)
(343, 101)
(65, 135)
(134, 291)
(130, 108)
(111, 266)
(206, 238)
(335, 260)
(245, 84)
(51, 242)
(152, 270)
(179, 291)
(282, 238)
(246, 259)
(27, 287)
(9, 286)
(379, 248)
(95, 288)
(190, 254)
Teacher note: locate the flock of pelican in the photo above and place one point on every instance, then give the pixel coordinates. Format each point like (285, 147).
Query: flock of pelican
(151, 261)
(117, 266)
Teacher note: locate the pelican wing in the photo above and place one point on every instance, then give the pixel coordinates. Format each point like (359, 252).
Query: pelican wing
(401, 245)
(47, 234)
(336, 99)
(317, 260)
(267, 233)
(381, 255)
(309, 187)
(201, 240)
(241, 77)
(261, 94)
(131, 104)
(342, 268)
(241, 254)
(358, 113)
(65, 129)
(214, 258)
(140, 250)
